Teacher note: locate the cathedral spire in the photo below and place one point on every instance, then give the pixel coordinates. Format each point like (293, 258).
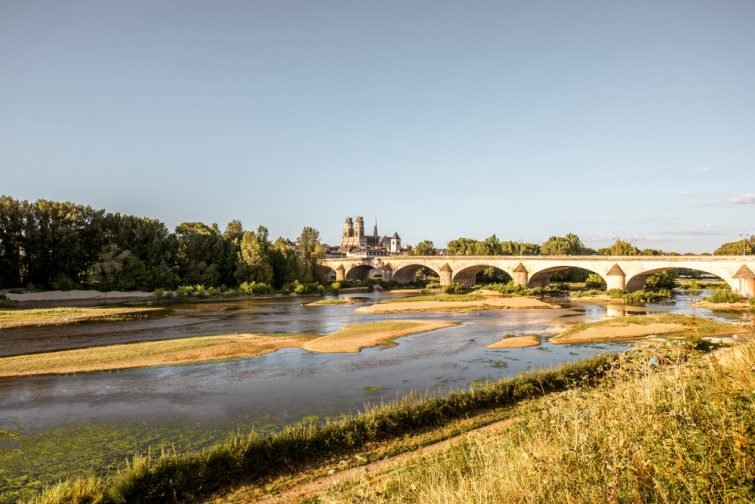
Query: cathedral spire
(374, 231)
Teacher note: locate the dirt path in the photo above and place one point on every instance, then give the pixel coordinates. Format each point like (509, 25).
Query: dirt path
(310, 488)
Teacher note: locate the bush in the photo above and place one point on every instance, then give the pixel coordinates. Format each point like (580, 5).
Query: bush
(63, 282)
(508, 288)
(594, 281)
(453, 288)
(158, 293)
(724, 296)
(255, 288)
(335, 286)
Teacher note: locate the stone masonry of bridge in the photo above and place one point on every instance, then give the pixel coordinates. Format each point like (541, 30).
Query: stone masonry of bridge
(619, 272)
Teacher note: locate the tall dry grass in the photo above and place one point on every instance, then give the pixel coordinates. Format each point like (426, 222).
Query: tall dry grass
(684, 434)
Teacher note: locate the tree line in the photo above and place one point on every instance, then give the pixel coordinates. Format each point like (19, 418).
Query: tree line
(569, 244)
(47, 244)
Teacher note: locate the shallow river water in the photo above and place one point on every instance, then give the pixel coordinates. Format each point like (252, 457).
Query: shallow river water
(115, 414)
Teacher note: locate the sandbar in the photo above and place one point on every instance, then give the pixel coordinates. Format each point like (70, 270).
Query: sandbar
(641, 326)
(487, 303)
(525, 341)
(208, 348)
(39, 317)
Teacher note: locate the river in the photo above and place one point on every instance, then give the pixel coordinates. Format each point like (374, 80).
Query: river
(91, 421)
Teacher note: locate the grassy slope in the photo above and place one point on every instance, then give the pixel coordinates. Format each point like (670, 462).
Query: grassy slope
(683, 435)
(61, 316)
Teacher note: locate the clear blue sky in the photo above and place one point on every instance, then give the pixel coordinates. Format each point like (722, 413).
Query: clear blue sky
(443, 119)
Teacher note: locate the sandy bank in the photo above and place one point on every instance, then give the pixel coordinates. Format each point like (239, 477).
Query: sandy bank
(641, 326)
(355, 338)
(742, 306)
(488, 303)
(528, 340)
(76, 295)
(617, 332)
(208, 348)
(329, 302)
(62, 316)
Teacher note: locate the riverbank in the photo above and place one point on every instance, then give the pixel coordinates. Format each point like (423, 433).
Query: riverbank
(351, 338)
(454, 303)
(741, 306)
(679, 435)
(630, 428)
(40, 317)
(634, 327)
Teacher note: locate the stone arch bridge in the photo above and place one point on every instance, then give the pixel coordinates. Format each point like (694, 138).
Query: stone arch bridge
(619, 272)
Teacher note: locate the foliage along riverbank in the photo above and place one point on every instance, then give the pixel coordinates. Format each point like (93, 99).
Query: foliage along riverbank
(351, 338)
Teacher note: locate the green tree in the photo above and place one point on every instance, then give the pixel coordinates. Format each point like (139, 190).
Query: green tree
(284, 261)
(424, 248)
(310, 252)
(462, 246)
(620, 248)
(254, 257)
(570, 244)
(741, 247)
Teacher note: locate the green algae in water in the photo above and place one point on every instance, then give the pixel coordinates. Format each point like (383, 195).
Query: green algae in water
(31, 461)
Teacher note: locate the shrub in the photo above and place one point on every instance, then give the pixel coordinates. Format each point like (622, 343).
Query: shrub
(335, 286)
(63, 282)
(724, 296)
(453, 288)
(255, 288)
(158, 293)
(508, 288)
(594, 281)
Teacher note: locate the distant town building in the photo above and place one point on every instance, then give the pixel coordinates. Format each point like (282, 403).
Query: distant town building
(355, 242)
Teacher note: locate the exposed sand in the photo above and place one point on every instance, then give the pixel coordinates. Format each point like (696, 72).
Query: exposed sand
(62, 316)
(413, 292)
(207, 348)
(75, 295)
(489, 303)
(528, 340)
(742, 306)
(617, 332)
(329, 302)
(354, 338)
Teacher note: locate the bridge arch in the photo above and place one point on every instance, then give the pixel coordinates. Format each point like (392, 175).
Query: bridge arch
(359, 272)
(637, 281)
(468, 276)
(327, 272)
(542, 277)
(408, 272)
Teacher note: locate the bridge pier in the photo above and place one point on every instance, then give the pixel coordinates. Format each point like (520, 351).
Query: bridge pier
(446, 275)
(520, 275)
(387, 273)
(744, 282)
(615, 278)
(340, 273)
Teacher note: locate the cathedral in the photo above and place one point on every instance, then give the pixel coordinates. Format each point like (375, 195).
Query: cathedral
(354, 239)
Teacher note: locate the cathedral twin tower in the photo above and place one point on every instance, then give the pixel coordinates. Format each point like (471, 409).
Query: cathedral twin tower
(353, 238)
